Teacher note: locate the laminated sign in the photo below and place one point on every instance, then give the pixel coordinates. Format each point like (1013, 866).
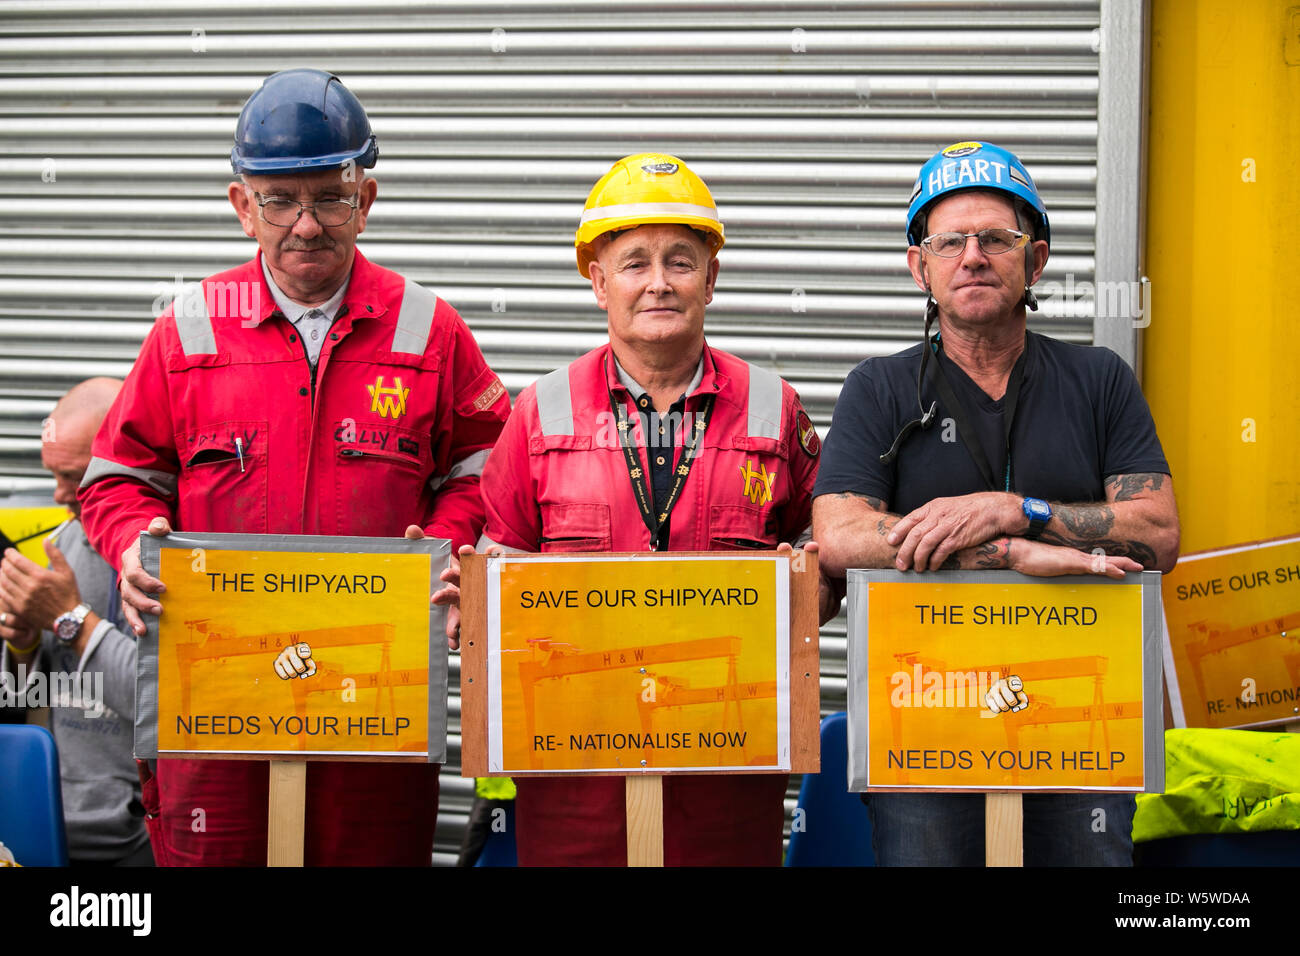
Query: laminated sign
(293, 645)
(1233, 653)
(655, 663)
(991, 680)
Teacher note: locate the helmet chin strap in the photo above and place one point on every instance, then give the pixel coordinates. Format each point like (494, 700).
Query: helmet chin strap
(1031, 300)
(927, 415)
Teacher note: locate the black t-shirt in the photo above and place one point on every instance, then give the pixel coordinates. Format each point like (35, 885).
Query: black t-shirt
(1079, 419)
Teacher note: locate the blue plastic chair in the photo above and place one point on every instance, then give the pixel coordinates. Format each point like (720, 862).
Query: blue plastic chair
(834, 828)
(31, 801)
(499, 850)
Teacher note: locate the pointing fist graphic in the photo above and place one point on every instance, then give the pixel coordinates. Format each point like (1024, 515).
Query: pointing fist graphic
(295, 661)
(1007, 696)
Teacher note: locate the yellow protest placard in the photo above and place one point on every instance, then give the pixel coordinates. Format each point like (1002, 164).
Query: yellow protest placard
(994, 681)
(1233, 617)
(27, 522)
(274, 645)
(665, 663)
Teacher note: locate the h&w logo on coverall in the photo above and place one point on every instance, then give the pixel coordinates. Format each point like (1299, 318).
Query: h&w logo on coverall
(388, 402)
(758, 484)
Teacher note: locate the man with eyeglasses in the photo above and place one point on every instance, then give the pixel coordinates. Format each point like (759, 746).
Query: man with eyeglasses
(307, 391)
(1045, 460)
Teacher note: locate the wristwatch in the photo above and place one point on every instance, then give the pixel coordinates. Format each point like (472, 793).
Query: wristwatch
(1039, 512)
(67, 625)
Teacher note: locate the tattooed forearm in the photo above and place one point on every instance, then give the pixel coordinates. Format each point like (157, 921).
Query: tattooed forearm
(1088, 522)
(876, 503)
(993, 554)
(1128, 487)
(1139, 551)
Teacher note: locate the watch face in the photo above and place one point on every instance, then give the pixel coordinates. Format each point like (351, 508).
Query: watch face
(1038, 509)
(67, 625)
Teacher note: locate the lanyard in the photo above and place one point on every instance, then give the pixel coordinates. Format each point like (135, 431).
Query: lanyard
(644, 499)
(969, 435)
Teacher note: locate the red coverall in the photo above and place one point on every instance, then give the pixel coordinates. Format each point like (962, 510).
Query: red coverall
(558, 481)
(222, 425)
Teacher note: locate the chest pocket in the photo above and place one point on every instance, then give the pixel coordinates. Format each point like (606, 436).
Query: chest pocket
(740, 528)
(381, 475)
(575, 527)
(223, 478)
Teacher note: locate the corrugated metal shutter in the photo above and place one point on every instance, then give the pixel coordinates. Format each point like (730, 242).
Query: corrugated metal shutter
(808, 120)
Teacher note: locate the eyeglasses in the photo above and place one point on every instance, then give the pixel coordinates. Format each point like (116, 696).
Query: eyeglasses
(286, 212)
(950, 245)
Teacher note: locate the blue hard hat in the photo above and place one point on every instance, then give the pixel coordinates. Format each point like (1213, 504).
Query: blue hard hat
(974, 165)
(302, 119)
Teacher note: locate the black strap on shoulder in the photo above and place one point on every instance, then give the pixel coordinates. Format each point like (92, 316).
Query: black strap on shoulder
(927, 414)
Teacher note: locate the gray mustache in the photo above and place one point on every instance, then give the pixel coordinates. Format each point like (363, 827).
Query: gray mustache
(299, 246)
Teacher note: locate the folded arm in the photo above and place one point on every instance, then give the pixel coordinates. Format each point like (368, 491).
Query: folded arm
(857, 531)
(1138, 520)
(854, 531)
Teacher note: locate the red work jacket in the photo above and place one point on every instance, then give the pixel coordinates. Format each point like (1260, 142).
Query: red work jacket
(223, 425)
(558, 481)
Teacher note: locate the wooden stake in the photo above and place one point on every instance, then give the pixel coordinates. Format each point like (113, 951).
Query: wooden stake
(645, 819)
(286, 818)
(1004, 841)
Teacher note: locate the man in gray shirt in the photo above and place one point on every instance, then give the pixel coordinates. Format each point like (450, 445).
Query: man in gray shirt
(63, 649)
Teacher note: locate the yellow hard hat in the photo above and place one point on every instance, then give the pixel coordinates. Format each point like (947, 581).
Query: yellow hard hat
(641, 189)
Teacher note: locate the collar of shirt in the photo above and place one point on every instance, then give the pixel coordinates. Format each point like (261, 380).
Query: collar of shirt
(637, 391)
(295, 312)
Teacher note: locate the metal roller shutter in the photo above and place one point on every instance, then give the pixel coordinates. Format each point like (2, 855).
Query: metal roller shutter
(807, 119)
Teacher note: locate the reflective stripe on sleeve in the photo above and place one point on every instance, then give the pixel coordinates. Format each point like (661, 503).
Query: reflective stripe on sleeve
(764, 403)
(163, 482)
(468, 466)
(414, 320)
(554, 404)
(193, 324)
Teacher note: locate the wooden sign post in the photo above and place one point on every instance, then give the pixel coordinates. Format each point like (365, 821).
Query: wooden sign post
(286, 819)
(1004, 829)
(645, 819)
(712, 667)
(289, 649)
(996, 683)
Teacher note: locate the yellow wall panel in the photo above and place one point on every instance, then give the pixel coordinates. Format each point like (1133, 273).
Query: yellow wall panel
(1222, 354)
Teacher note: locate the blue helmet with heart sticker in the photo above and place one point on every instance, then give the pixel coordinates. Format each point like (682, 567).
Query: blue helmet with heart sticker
(974, 165)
